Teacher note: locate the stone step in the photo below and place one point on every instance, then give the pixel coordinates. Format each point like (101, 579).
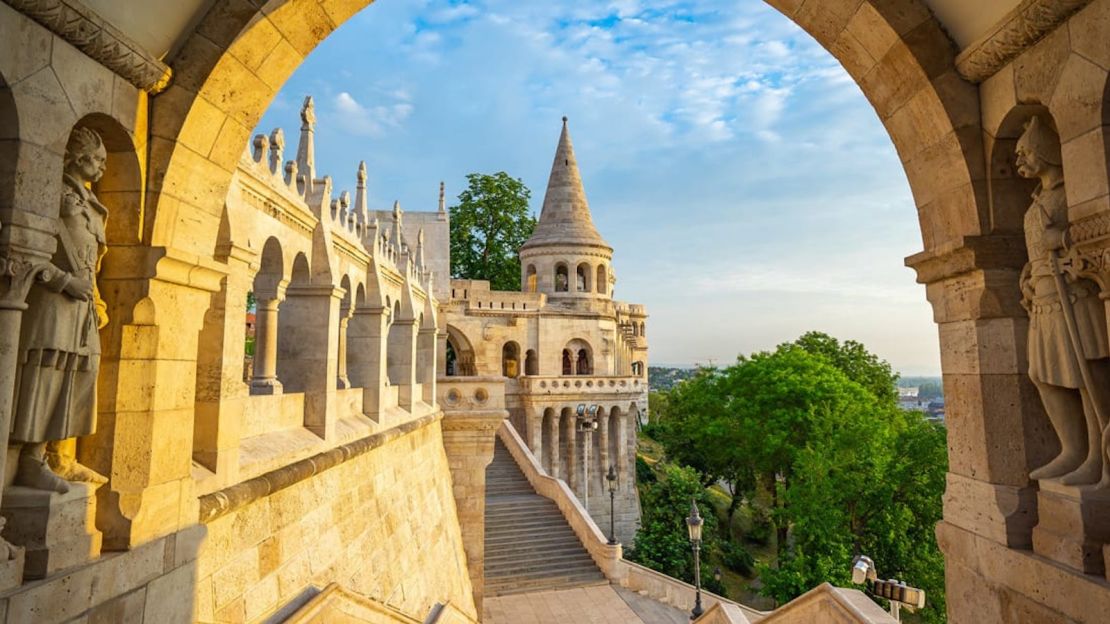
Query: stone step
(528, 544)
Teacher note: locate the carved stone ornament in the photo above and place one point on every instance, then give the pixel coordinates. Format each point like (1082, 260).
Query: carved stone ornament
(1068, 348)
(93, 35)
(1025, 25)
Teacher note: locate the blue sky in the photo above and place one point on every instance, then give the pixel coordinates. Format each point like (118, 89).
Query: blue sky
(748, 188)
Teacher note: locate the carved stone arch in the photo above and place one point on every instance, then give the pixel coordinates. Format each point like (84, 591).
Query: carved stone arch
(460, 345)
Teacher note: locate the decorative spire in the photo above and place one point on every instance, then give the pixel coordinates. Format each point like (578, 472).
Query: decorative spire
(398, 231)
(277, 149)
(442, 203)
(362, 213)
(306, 149)
(565, 218)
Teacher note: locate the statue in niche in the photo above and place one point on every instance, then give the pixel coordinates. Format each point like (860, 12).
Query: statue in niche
(59, 346)
(1068, 347)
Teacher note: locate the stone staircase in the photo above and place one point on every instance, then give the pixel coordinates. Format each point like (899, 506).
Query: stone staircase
(529, 545)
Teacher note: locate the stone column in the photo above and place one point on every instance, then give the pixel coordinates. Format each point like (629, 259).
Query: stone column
(426, 363)
(554, 453)
(265, 380)
(16, 278)
(367, 332)
(402, 360)
(144, 436)
(571, 460)
(468, 438)
(308, 347)
(997, 429)
(533, 423)
(221, 392)
(343, 381)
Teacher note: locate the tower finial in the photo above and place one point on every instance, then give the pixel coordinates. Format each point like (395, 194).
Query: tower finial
(564, 120)
(442, 202)
(306, 148)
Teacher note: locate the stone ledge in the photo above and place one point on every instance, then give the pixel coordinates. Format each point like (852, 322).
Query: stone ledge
(229, 499)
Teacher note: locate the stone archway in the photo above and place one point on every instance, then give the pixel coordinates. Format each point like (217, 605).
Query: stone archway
(230, 68)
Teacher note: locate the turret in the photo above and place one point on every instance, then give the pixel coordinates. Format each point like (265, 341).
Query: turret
(566, 256)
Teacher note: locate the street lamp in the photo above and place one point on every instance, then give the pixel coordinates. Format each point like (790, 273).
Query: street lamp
(895, 591)
(587, 424)
(693, 525)
(612, 479)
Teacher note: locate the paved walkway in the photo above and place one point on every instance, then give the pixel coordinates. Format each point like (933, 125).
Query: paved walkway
(598, 604)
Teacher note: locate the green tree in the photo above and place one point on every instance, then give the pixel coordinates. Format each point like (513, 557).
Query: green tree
(488, 226)
(662, 542)
(855, 361)
(815, 426)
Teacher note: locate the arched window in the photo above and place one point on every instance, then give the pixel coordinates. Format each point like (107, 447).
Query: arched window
(568, 363)
(643, 329)
(602, 279)
(530, 282)
(562, 279)
(582, 278)
(510, 360)
(531, 363)
(582, 364)
(638, 369)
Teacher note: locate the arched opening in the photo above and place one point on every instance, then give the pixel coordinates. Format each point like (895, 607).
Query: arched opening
(398, 347)
(550, 432)
(510, 359)
(269, 290)
(562, 283)
(638, 369)
(939, 224)
(295, 354)
(452, 360)
(346, 309)
(531, 363)
(602, 279)
(530, 279)
(460, 353)
(582, 363)
(582, 278)
(580, 356)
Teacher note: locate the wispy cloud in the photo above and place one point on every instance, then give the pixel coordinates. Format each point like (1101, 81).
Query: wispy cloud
(728, 158)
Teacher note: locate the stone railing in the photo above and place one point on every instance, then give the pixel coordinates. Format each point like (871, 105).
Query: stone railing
(825, 603)
(470, 393)
(582, 384)
(337, 604)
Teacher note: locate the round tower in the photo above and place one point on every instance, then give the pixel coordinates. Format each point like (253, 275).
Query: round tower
(566, 257)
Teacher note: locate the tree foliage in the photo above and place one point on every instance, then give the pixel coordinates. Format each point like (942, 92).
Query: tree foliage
(662, 542)
(488, 226)
(815, 428)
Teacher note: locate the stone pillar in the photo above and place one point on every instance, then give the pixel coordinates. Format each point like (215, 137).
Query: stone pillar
(366, 332)
(426, 363)
(533, 434)
(144, 436)
(402, 360)
(16, 278)
(554, 453)
(308, 347)
(343, 381)
(997, 429)
(571, 460)
(468, 438)
(221, 392)
(265, 379)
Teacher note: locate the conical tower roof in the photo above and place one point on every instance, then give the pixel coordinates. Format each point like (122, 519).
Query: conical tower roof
(565, 218)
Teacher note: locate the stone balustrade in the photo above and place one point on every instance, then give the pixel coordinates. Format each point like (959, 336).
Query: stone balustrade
(582, 385)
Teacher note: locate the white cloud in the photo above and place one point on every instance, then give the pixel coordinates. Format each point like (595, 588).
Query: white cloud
(712, 134)
(370, 121)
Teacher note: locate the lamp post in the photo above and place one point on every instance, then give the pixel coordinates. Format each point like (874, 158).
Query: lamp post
(611, 477)
(587, 424)
(693, 525)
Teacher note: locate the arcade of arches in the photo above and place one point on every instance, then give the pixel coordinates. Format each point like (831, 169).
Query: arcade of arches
(165, 488)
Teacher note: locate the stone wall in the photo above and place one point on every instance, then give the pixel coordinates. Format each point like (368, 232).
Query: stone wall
(382, 524)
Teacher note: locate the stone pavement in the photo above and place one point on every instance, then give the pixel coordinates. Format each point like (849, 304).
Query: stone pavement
(599, 604)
